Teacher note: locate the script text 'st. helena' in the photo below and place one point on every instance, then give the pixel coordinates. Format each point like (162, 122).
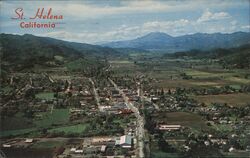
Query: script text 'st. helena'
(40, 14)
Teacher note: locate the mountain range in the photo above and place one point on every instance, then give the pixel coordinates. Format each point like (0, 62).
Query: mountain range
(158, 41)
(237, 57)
(28, 50)
(25, 51)
(20, 45)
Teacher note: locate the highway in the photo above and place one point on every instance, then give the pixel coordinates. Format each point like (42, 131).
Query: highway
(140, 121)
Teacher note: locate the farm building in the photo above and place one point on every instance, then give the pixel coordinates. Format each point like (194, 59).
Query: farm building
(125, 141)
(169, 127)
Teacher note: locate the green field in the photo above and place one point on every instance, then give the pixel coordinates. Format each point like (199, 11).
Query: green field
(123, 67)
(45, 95)
(199, 79)
(58, 116)
(79, 128)
(17, 132)
(19, 124)
(16, 122)
(168, 73)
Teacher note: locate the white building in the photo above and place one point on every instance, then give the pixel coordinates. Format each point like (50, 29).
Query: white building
(125, 141)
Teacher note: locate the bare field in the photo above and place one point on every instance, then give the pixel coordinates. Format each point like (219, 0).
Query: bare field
(238, 99)
(238, 80)
(182, 118)
(189, 83)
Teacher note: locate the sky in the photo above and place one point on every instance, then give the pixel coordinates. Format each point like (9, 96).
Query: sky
(99, 21)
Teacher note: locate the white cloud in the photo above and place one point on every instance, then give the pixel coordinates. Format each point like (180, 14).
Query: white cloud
(123, 32)
(234, 22)
(143, 6)
(165, 26)
(246, 27)
(79, 17)
(83, 9)
(209, 16)
(126, 32)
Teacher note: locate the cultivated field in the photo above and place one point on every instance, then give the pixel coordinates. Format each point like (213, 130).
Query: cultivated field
(168, 73)
(182, 118)
(239, 99)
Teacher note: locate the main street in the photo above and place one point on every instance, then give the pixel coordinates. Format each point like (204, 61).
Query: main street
(95, 93)
(140, 120)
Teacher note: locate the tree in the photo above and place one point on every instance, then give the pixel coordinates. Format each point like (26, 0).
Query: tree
(29, 113)
(162, 91)
(163, 145)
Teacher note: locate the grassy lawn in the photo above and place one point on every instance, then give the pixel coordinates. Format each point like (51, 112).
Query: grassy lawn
(238, 99)
(58, 116)
(79, 128)
(45, 95)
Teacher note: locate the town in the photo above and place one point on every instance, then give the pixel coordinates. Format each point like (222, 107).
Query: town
(115, 114)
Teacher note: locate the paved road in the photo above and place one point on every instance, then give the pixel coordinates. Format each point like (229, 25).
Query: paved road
(95, 93)
(140, 121)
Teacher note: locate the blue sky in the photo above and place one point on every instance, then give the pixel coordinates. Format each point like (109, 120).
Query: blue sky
(99, 21)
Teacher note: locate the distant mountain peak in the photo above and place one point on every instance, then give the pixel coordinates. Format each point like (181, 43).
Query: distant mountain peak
(162, 42)
(156, 36)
